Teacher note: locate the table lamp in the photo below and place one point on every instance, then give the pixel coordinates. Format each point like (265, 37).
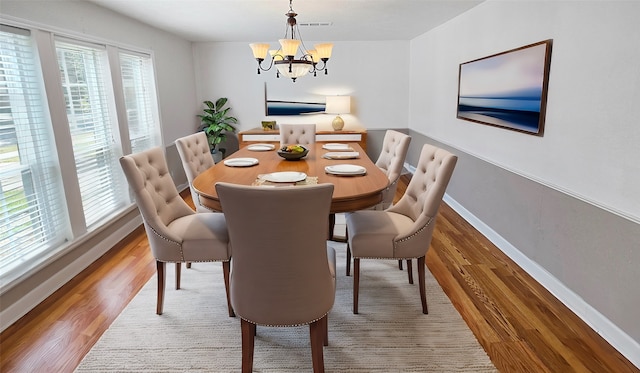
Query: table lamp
(338, 105)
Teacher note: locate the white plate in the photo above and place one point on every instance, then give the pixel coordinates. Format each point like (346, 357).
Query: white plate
(285, 177)
(240, 162)
(336, 146)
(341, 155)
(346, 169)
(261, 147)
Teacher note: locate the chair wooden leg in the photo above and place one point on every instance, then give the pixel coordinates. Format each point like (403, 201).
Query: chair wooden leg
(325, 327)
(332, 224)
(160, 268)
(356, 283)
(400, 264)
(178, 272)
(226, 269)
(317, 336)
(348, 260)
(410, 270)
(421, 278)
(248, 336)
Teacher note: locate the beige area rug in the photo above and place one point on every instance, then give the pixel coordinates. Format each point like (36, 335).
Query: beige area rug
(195, 333)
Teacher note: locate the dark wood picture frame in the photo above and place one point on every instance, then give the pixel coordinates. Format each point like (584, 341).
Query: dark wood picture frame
(507, 89)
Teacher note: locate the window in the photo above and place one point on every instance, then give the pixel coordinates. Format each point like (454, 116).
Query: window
(32, 210)
(140, 99)
(82, 70)
(42, 212)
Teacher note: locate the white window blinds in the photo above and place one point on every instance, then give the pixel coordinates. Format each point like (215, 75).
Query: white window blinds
(140, 101)
(83, 73)
(32, 211)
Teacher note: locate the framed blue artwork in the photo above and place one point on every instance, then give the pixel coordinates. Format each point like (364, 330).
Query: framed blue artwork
(507, 89)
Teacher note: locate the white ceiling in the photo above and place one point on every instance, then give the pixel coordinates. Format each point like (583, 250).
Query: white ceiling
(265, 20)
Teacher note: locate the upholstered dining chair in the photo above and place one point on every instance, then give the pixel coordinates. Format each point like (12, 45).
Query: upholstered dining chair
(302, 134)
(283, 273)
(176, 233)
(196, 157)
(404, 230)
(391, 161)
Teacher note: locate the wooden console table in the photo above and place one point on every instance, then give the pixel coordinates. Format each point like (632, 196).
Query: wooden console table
(273, 136)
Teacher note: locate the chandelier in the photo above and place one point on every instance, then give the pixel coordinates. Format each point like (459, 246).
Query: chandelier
(285, 59)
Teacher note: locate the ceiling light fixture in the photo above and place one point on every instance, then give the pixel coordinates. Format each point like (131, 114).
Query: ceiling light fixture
(285, 59)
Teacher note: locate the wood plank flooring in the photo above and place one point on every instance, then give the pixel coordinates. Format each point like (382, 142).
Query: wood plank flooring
(522, 327)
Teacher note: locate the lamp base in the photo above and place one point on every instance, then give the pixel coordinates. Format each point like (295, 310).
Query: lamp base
(338, 123)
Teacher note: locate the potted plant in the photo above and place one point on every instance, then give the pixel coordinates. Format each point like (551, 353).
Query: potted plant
(215, 122)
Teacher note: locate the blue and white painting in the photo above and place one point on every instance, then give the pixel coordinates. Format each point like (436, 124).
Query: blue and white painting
(292, 100)
(506, 90)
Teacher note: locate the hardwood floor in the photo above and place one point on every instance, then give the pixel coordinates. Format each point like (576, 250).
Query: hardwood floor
(522, 327)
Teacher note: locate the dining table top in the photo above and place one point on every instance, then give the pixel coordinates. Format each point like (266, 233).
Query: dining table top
(351, 192)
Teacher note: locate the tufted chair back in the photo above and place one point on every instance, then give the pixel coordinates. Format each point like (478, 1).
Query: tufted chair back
(422, 198)
(196, 157)
(176, 233)
(303, 134)
(157, 198)
(391, 161)
(404, 230)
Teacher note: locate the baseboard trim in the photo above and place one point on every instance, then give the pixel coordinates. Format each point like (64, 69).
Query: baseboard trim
(621, 341)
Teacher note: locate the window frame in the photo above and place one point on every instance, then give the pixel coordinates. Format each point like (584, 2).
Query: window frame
(77, 232)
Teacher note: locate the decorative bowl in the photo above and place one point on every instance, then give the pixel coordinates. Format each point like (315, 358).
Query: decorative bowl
(292, 156)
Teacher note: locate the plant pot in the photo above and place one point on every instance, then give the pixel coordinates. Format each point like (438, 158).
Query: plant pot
(217, 155)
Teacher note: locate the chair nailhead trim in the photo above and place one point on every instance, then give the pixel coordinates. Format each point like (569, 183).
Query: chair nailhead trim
(284, 326)
(414, 234)
(170, 241)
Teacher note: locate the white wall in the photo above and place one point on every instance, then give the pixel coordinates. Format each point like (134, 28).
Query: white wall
(375, 74)
(590, 147)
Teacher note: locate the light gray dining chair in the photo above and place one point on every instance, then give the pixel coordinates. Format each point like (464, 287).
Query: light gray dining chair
(283, 273)
(176, 233)
(404, 230)
(302, 134)
(196, 157)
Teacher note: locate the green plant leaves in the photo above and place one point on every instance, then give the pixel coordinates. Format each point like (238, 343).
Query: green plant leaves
(215, 121)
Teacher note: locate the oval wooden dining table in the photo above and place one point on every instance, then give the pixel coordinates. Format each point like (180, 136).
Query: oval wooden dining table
(350, 193)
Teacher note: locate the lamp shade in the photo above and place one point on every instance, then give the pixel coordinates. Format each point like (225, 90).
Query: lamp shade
(259, 50)
(338, 105)
(289, 46)
(324, 50)
(276, 54)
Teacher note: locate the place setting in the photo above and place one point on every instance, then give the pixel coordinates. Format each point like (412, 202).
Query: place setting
(285, 178)
(261, 147)
(337, 147)
(341, 155)
(345, 170)
(241, 162)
